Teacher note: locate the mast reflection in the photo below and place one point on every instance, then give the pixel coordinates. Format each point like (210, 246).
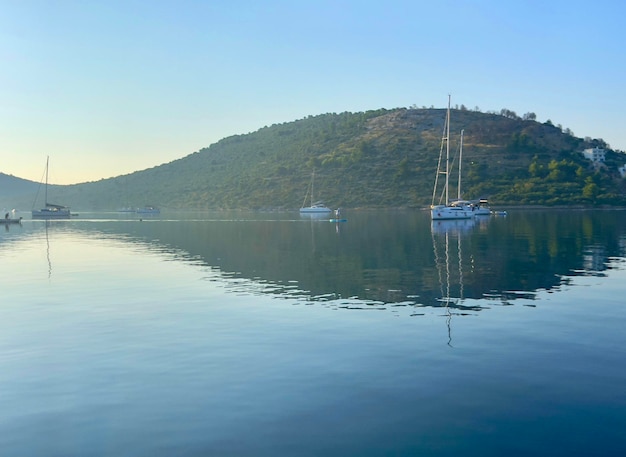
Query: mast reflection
(443, 235)
(48, 250)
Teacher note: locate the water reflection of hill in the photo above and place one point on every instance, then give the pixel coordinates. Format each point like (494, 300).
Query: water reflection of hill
(395, 257)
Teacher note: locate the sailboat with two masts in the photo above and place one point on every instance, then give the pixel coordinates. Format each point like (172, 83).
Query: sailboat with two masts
(50, 211)
(445, 208)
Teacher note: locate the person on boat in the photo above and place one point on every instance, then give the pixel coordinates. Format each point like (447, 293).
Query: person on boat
(6, 216)
(337, 213)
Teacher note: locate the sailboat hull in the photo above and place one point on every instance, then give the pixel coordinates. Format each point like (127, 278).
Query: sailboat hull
(316, 209)
(443, 212)
(51, 214)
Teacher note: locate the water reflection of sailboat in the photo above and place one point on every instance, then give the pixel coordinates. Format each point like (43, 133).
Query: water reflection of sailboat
(449, 264)
(48, 252)
(456, 226)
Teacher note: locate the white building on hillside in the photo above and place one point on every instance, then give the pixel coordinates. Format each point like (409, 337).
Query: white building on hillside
(596, 155)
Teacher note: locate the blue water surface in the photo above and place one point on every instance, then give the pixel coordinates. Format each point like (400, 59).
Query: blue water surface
(266, 335)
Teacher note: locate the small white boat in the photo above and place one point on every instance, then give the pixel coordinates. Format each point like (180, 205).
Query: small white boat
(482, 208)
(148, 210)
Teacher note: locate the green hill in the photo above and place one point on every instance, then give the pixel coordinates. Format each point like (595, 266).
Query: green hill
(382, 158)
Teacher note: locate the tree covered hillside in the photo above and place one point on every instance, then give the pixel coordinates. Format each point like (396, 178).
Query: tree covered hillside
(382, 158)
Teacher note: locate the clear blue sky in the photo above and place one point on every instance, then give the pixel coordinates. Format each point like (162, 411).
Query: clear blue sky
(110, 87)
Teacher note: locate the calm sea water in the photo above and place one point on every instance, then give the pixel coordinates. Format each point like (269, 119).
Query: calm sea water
(264, 334)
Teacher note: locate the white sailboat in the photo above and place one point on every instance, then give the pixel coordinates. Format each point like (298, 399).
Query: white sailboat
(50, 211)
(446, 209)
(316, 207)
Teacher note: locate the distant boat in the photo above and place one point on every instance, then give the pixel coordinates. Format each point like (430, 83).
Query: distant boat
(11, 217)
(51, 211)
(148, 210)
(316, 207)
(482, 208)
(447, 209)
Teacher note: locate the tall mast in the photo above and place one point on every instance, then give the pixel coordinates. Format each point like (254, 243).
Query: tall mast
(46, 189)
(312, 184)
(447, 150)
(460, 160)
